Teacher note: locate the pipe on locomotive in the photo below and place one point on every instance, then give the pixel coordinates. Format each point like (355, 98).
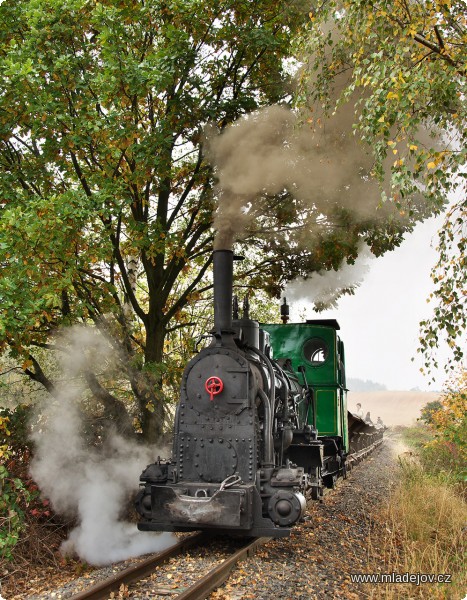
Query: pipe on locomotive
(223, 286)
(268, 439)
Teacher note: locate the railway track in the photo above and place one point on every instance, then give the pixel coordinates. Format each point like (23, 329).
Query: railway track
(198, 590)
(203, 586)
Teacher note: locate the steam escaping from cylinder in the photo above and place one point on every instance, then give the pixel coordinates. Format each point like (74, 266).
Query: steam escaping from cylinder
(93, 484)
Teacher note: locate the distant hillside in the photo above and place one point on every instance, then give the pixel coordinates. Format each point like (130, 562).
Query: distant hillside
(359, 385)
(395, 408)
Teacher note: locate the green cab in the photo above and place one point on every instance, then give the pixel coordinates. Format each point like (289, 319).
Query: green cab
(315, 349)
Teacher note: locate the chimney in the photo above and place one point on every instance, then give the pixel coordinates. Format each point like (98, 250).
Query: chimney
(223, 283)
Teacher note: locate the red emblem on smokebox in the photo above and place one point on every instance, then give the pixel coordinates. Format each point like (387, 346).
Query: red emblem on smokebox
(213, 386)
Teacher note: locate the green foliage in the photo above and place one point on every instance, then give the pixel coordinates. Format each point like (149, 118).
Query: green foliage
(14, 495)
(428, 410)
(106, 200)
(401, 67)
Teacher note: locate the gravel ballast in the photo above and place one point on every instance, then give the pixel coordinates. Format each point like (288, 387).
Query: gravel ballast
(339, 536)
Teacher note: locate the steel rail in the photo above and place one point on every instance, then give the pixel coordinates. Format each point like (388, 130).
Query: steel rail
(102, 589)
(197, 591)
(217, 576)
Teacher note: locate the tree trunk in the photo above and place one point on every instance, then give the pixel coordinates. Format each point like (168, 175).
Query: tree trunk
(149, 391)
(114, 409)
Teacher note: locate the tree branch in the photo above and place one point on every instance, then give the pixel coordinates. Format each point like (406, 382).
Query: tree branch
(114, 408)
(39, 376)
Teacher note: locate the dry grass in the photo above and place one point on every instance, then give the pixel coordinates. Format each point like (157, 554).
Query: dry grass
(426, 533)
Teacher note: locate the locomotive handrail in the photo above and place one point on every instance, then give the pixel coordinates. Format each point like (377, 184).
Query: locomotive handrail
(268, 440)
(309, 396)
(226, 483)
(272, 392)
(197, 499)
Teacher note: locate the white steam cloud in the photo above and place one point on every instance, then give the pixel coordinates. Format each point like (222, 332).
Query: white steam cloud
(324, 288)
(93, 484)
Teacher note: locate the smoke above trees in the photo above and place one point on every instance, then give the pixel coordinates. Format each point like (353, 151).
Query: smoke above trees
(324, 174)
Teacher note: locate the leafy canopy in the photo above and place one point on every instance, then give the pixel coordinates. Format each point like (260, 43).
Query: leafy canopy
(402, 65)
(105, 199)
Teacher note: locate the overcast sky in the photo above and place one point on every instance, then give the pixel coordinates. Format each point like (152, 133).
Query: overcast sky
(380, 324)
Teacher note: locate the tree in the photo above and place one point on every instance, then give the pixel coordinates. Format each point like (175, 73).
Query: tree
(106, 193)
(106, 200)
(449, 316)
(402, 65)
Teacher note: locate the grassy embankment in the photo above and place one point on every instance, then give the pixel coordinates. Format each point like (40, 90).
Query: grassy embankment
(426, 517)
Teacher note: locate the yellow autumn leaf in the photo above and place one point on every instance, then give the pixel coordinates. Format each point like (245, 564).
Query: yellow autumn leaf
(413, 147)
(431, 165)
(3, 451)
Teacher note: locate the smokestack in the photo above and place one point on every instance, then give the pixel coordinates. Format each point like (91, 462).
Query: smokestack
(223, 283)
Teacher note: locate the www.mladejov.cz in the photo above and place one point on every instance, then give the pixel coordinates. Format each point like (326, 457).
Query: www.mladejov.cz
(415, 578)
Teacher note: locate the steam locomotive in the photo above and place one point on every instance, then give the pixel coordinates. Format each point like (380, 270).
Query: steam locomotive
(261, 426)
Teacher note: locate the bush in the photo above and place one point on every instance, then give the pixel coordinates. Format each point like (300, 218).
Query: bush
(429, 409)
(449, 424)
(14, 495)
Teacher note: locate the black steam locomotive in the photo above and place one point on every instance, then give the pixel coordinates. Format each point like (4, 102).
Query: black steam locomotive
(255, 436)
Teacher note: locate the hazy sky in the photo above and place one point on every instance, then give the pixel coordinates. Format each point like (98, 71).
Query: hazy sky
(380, 324)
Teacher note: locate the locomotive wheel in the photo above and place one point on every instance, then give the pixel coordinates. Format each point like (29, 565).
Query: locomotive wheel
(286, 508)
(316, 492)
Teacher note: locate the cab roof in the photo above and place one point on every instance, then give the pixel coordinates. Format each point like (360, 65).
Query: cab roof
(324, 323)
